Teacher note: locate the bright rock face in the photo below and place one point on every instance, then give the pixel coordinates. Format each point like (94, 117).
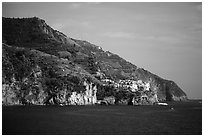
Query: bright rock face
(8, 95)
(110, 100)
(86, 98)
(145, 100)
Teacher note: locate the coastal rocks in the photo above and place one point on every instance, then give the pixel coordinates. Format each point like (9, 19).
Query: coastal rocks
(123, 102)
(90, 93)
(110, 100)
(145, 100)
(76, 99)
(132, 92)
(62, 97)
(8, 95)
(18, 95)
(181, 98)
(86, 98)
(41, 97)
(67, 97)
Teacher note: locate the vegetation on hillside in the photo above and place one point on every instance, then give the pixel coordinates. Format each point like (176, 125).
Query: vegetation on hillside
(38, 58)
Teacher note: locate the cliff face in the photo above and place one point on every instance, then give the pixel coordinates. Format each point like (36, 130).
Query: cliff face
(44, 66)
(33, 77)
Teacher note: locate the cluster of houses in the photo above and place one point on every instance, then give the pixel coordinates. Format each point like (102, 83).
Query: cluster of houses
(132, 85)
(143, 95)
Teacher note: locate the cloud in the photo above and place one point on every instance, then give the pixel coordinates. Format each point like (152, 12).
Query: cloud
(75, 5)
(199, 7)
(196, 27)
(163, 38)
(120, 34)
(175, 41)
(71, 23)
(93, 3)
(58, 26)
(85, 24)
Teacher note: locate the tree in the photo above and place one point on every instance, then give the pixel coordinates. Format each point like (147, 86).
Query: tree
(92, 64)
(105, 91)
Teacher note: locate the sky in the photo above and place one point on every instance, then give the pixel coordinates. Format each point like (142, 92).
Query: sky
(163, 38)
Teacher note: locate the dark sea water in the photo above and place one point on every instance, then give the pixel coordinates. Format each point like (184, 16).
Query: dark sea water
(177, 118)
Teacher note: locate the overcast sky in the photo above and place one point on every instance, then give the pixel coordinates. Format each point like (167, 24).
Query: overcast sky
(164, 38)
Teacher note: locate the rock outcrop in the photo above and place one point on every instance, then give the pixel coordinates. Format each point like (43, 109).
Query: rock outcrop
(86, 98)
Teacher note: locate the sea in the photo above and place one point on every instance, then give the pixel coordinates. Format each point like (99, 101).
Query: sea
(177, 118)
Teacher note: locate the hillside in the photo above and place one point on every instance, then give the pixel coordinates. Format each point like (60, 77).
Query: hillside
(42, 65)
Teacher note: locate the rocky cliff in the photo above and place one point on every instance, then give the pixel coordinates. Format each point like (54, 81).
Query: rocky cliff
(41, 65)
